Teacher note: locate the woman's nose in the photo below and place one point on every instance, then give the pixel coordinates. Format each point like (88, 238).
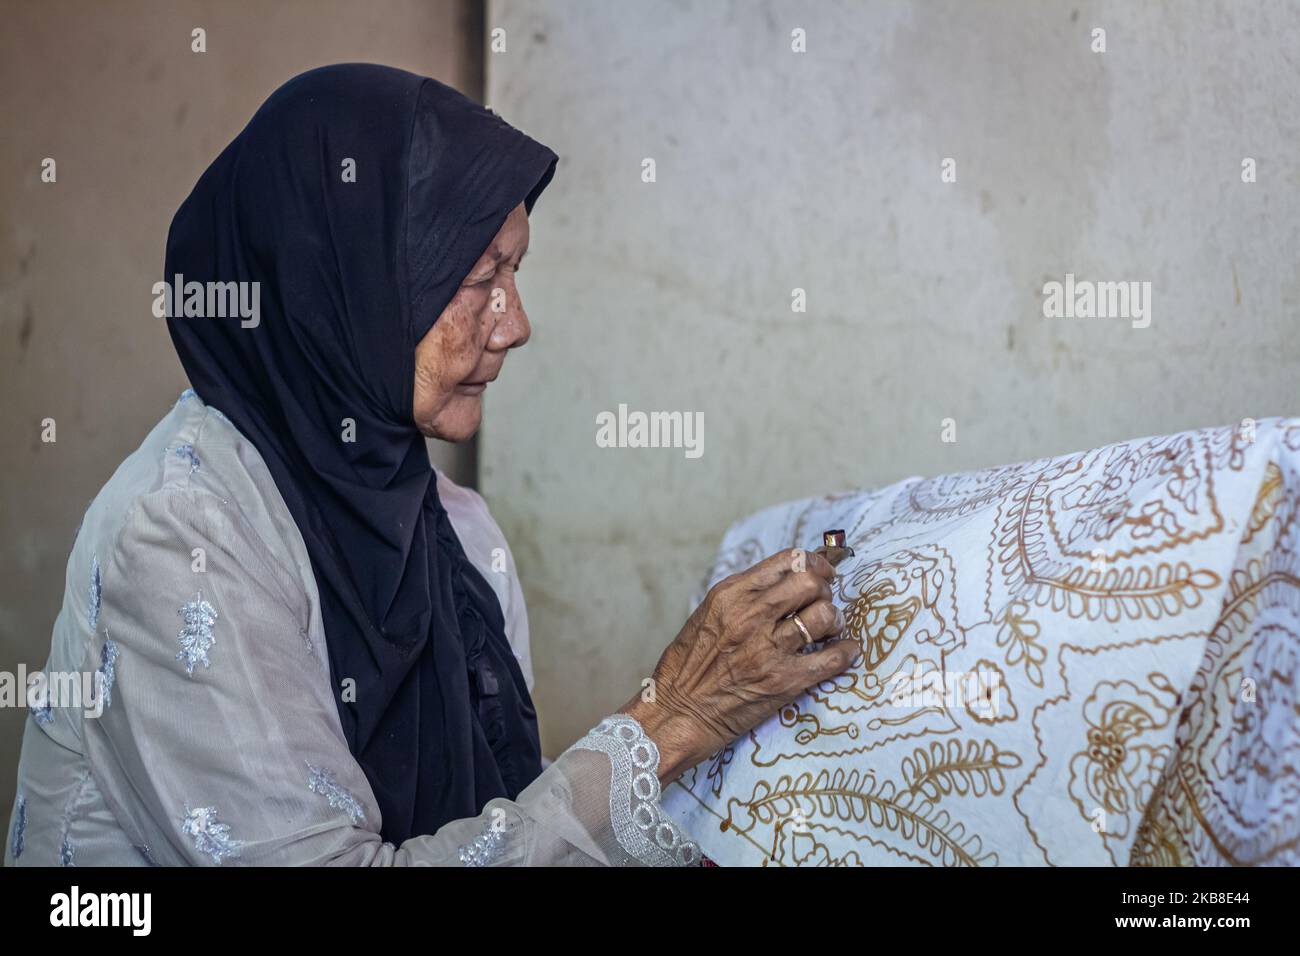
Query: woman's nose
(512, 329)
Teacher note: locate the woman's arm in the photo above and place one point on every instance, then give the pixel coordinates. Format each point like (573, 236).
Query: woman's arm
(220, 742)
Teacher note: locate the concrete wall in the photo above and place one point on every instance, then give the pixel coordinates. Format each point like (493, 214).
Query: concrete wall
(821, 171)
(114, 94)
(775, 170)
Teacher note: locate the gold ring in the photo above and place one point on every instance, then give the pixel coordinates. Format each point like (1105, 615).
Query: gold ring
(798, 622)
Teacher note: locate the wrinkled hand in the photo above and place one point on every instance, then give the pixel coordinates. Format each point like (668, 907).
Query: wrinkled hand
(738, 659)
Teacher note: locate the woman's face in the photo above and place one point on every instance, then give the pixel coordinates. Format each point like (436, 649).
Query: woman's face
(467, 346)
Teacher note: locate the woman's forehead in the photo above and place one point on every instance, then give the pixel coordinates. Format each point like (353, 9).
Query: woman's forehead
(511, 239)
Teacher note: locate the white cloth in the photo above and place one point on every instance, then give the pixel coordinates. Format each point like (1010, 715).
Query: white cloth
(1132, 617)
(190, 594)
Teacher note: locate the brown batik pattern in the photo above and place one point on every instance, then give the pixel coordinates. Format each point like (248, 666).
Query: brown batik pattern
(1111, 644)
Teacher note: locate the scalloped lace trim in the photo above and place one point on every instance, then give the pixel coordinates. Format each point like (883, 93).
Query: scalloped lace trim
(643, 830)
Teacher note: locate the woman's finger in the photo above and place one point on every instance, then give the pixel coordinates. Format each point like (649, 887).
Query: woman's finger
(771, 570)
(775, 568)
(822, 619)
(795, 591)
(829, 660)
(820, 566)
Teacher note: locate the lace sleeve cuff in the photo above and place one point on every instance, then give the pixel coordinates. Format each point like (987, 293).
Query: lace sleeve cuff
(643, 830)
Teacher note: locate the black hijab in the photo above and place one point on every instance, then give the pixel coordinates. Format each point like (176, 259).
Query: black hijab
(352, 275)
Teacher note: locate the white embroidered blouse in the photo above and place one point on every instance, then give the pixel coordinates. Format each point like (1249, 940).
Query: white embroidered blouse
(190, 599)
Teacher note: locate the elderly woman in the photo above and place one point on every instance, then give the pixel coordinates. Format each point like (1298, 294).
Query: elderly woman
(307, 648)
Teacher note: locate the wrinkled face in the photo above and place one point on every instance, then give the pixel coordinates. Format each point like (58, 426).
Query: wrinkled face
(467, 346)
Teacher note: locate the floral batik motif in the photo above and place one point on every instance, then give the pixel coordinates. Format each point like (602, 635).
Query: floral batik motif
(1092, 659)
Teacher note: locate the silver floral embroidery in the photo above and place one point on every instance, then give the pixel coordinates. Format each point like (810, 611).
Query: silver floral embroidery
(322, 781)
(643, 830)
(92, 611)
(20, 826)
(187, 451)
(196, 636)
(107, 670)
(209, 835)
(44, 714)
(484, 849)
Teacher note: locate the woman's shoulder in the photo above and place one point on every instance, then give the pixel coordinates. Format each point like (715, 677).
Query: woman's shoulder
(196, 480)
(188, 506)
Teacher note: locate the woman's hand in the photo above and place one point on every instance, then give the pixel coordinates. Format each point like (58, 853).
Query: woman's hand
(737, 661)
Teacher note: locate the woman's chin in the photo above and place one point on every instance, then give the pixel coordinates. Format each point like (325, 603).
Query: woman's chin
(458, 420)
